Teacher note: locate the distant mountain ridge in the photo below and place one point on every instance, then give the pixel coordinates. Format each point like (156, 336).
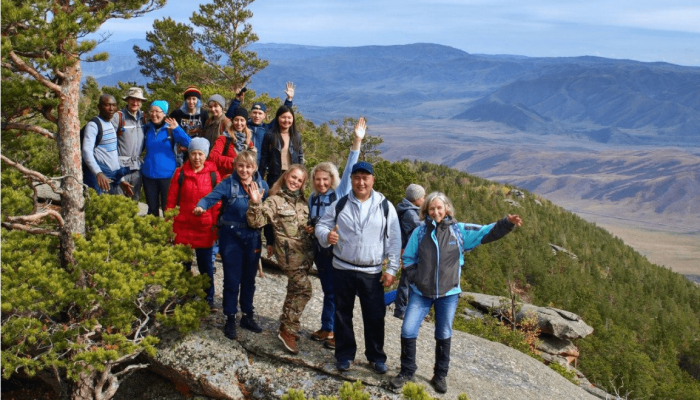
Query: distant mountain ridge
(603, 100)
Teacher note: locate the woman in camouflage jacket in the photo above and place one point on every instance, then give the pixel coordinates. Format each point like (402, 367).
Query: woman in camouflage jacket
(287, 211)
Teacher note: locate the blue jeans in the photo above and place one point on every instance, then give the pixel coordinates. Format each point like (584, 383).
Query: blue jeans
(240, 254)
(114, 175)
(367, 287)
(324, 264)
(206, 267)
(419, 306)
(214, 251)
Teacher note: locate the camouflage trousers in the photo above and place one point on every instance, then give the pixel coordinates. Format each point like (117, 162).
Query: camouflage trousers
(298, 294)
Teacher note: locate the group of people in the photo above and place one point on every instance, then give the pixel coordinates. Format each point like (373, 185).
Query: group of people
(236, 178)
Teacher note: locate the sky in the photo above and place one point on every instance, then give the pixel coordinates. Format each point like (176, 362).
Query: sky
(643, 30)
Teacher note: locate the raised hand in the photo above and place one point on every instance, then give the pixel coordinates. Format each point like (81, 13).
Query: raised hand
(290, 90)
(360, 128)
(515, 220)
(172, 123)
(255, 194)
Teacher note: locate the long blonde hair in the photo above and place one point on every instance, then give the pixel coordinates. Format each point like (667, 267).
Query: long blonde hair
(331, 169)
(277, 186)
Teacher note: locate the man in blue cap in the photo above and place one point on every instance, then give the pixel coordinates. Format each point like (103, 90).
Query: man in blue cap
(256, 123)
(364, 230)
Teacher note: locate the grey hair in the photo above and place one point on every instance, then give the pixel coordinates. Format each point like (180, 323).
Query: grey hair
(449, 208)
(329, 167)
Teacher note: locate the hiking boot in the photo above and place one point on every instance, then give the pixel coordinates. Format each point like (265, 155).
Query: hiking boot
(289, 341)
(212, 306)
(379, 367)
(343, 365)
(399, 380)
(321, 335)
(329, 343)
(439, 384)
(230, 327)
(248, 322)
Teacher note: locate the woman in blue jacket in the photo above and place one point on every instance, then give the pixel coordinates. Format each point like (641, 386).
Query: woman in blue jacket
(326, 189)
(161, 136)
(433, 261)
(239, 244)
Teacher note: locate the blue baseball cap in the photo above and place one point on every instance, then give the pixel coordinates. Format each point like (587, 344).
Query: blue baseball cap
(258, 106)
(363, 166)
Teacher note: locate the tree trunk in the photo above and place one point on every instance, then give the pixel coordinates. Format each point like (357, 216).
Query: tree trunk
(70, 163)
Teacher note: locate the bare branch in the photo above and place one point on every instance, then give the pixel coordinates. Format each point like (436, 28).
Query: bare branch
(26, 219)
(131, 368)
(32, 174)
(30, 229)
(31, 128)
(22, 66)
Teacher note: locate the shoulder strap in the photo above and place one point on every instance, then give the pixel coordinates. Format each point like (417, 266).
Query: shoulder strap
(180, 179)
(385, 207)
(458, 234)
(213, 179)
(120, 126)
(227, 145)
(339, 207)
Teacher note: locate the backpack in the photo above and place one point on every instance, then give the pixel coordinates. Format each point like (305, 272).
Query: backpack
(316, 201)
(385, 206)
(404, 235)
(181, 179)
(233, 197)
(120, 125)
(98, 138)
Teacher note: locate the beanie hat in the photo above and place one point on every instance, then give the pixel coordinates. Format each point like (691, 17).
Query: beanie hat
(414, 192)
(200, 144)
(218, 99)
(192, 91)
(258, 106)
(240, 112)
(162, 104)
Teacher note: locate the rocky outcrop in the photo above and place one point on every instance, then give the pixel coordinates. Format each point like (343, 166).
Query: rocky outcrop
(512, 202)
(558, 249)
(256, 366)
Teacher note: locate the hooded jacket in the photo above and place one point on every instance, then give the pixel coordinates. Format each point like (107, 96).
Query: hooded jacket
(159, 162)
(408, 218)
(190, 229)
(434, 254)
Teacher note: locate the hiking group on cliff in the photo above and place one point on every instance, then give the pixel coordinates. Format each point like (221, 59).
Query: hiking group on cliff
(236, 179)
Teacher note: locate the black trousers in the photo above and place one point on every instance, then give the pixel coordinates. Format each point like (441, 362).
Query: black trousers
(156, 191)
(367, 287)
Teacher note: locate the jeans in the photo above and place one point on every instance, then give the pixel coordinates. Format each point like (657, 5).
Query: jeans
(156, 194)
(367, 287)
(325, 274)
(114, 175)
(205, 266)
(240, 254)
(214, 251)
(419, 306)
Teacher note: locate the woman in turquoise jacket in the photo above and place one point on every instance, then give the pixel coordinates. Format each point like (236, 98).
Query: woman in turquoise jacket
(433, 260)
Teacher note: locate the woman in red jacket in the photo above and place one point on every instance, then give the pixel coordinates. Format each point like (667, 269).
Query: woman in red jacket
(234, 140)
(194, 180)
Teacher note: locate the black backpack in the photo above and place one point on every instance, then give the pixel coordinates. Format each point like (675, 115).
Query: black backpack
(385, 206)
(98, 138)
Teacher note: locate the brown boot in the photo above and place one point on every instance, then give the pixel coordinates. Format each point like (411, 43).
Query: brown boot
(329, 343)
(321, 335)
(289, 340)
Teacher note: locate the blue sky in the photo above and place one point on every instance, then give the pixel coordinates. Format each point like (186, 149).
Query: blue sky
(644, 30)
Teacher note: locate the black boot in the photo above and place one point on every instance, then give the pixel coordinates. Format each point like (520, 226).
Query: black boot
(442, 364)
(248, 322)
(230, 327)
(408, 363)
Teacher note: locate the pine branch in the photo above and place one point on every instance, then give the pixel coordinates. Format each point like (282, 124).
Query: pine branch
(31, 174)
(30, 229)
(24, 67)
(27, 219)
(31, 128)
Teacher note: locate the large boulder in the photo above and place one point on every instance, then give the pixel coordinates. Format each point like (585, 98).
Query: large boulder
(559, 323)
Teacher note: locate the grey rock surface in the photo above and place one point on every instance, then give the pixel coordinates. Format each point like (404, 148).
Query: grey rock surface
(259, 366)
(560, 323)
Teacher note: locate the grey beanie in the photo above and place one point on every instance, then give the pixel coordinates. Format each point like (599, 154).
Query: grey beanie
(414, 192)
(200, 144)
(219, 99)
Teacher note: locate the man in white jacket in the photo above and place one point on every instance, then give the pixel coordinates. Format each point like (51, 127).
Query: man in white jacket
(364, 229)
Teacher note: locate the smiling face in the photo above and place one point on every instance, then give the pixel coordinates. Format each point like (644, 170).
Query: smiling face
(239, 124)
(245, 171)
(322, 182)
(437, 210)
(257, 116)
(156, 114)
(295, 179)
(133, 104)
(285, 121)
(197, 159)
(191, 104)
(362, 183)
(215, 109)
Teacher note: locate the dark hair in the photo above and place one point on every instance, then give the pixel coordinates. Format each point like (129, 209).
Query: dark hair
(294, 135)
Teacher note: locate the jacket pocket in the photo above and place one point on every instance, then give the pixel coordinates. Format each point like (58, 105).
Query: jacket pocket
(287, 222)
